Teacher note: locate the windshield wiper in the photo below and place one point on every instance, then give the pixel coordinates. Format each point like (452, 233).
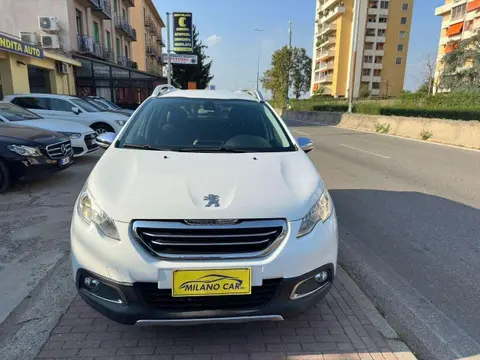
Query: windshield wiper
(147, 147)
(211, 149)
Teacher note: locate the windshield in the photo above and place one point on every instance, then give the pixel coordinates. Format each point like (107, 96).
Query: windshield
(191, 124)
(82, 104)
(98, 105)
(107, 103)
(13, 112)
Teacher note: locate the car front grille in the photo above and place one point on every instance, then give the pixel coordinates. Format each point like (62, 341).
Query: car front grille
(59, 150)
(157, 298)
(90, 141)
(197, 239)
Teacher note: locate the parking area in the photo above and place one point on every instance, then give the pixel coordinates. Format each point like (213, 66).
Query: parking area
(35, 223)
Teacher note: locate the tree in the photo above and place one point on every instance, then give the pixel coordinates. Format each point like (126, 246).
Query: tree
(429, 65)
(200, 73)
(461, 70)
(292, 61)
(302, 71)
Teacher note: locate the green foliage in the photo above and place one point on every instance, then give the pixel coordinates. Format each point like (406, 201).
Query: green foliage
(301, 72)
(200, 73)
(382, 128)
(425, 134)
(364, 92)
(454, 106)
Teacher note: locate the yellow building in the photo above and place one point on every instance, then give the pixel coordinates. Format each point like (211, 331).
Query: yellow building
(26, 68)
(383, 34)
(147, 51)
(460, 21)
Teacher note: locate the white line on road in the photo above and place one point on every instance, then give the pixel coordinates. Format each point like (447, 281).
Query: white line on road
(367, 152)
(300, 132)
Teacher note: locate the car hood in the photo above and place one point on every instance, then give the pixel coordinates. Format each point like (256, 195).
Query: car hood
(24, 135)
(57, 125)
(140, 184)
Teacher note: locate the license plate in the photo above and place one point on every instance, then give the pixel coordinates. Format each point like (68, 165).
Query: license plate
(64, 161)
(216, 282)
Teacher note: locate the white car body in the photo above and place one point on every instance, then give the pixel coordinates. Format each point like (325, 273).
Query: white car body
(95, 120)
(130, 185)
(81, 137)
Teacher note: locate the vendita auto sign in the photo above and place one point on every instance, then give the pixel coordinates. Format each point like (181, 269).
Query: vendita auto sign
(19, 47)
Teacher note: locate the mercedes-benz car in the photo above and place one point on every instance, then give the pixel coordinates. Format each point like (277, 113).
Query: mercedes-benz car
(204, 208)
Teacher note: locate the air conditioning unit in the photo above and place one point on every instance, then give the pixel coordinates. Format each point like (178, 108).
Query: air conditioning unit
(29, 37)
(50, 42)
(62, 68)
(48, 23)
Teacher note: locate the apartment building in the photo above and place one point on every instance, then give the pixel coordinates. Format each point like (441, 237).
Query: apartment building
(461, 20)
(149, 46)
(97, 34)
(378, 68)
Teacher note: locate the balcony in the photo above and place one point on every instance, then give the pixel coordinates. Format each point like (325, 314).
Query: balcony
(327, 66)
(375, 92)
(102, 8)
(89, 46)
(326, 54)
(329, 42)
(326, 79)
(151, 50)
(377, 11)
(129, 3)
(374, 52)
(377, 79)
(376, 25)
(124, 61)
(327, 29)
(333, 14)
(125, 28)
(160, 41)
(374, 38)
(328, 3)
(366, 78)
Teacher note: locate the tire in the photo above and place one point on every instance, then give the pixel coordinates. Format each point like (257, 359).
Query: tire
(5, 179)
(102, 128)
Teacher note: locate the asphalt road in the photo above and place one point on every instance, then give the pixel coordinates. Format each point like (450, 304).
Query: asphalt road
(410, 231)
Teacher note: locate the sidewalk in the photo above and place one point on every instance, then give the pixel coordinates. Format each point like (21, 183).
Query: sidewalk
(344, 325)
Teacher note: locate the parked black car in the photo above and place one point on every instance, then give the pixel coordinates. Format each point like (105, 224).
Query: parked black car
(29, 152)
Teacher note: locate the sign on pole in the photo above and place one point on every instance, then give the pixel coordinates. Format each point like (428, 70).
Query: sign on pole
(182, 32)
(182, 59)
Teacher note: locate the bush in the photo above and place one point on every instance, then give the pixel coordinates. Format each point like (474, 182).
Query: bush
(331, 107)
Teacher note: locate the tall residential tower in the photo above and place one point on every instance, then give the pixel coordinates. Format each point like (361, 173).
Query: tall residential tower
(383, 31)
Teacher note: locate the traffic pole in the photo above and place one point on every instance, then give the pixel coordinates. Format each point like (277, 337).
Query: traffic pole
(352, 70)
(169, 65)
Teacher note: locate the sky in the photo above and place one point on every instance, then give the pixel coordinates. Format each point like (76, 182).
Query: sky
(228, 28)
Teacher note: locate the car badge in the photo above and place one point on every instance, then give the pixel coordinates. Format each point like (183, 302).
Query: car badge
(212, 200)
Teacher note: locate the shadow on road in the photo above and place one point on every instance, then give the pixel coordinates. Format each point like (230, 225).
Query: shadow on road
(429, 241)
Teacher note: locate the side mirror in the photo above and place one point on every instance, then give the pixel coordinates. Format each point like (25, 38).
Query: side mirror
(305, 144)
(76, 110)
(105, 140)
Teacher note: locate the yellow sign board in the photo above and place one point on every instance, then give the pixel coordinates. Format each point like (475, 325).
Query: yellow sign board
(216, 282)
(10, 44)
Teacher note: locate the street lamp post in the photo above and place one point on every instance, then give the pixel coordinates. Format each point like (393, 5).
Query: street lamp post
(258, 60)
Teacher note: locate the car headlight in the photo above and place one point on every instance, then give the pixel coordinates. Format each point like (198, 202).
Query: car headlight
(89, 211)
(321, 211)
(24, 150)
(121, 122)
(71, 135)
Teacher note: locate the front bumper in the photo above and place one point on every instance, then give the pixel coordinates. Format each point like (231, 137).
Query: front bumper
(135, 309)
(84, 145)
(29, 168)
(125, 265)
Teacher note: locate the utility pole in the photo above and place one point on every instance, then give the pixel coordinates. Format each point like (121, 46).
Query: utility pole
(258, 60)
(169, 65)
(352, 69)
(290, 61)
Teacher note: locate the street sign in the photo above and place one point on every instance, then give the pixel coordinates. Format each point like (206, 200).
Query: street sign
(182, 32)
(182, 59)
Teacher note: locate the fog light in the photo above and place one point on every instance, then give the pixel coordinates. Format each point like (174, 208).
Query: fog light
(310, 285)
(91, 284)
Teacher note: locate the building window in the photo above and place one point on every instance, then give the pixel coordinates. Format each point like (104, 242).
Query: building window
(378, 59)
(96, 31)
(404, 6)
(468, 25)
(109, 40)
(376, 85)
(383, 19)
(124, 15)
(79, 20)
(377, 72)
(384, 4)
(366, 72)
(368, 46)
(403, 35)
(398, 61)
(117, 47)
(368, 59)
(459, 11)
(115, 6)
(126, 51)
(380, 46)
(400, 47)
(403, 21)
(381, 32)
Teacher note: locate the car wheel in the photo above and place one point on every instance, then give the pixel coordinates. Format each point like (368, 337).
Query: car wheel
(102, 128)
(4, 177)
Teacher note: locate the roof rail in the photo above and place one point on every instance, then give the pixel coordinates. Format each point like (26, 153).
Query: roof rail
(163, 89)
(255, 93)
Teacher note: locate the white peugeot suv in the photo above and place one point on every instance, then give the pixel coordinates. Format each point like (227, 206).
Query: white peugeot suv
(204, 208)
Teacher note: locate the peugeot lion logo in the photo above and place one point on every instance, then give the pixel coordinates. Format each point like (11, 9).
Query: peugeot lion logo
(212, 200)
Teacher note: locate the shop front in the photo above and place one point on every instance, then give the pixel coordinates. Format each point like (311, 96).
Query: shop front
(25, 68)
(124, 86)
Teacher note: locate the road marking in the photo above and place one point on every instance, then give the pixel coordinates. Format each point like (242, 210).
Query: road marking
(365, 151)
(300, 132)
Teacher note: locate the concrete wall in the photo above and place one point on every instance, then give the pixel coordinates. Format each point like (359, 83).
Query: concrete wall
(454, 132)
